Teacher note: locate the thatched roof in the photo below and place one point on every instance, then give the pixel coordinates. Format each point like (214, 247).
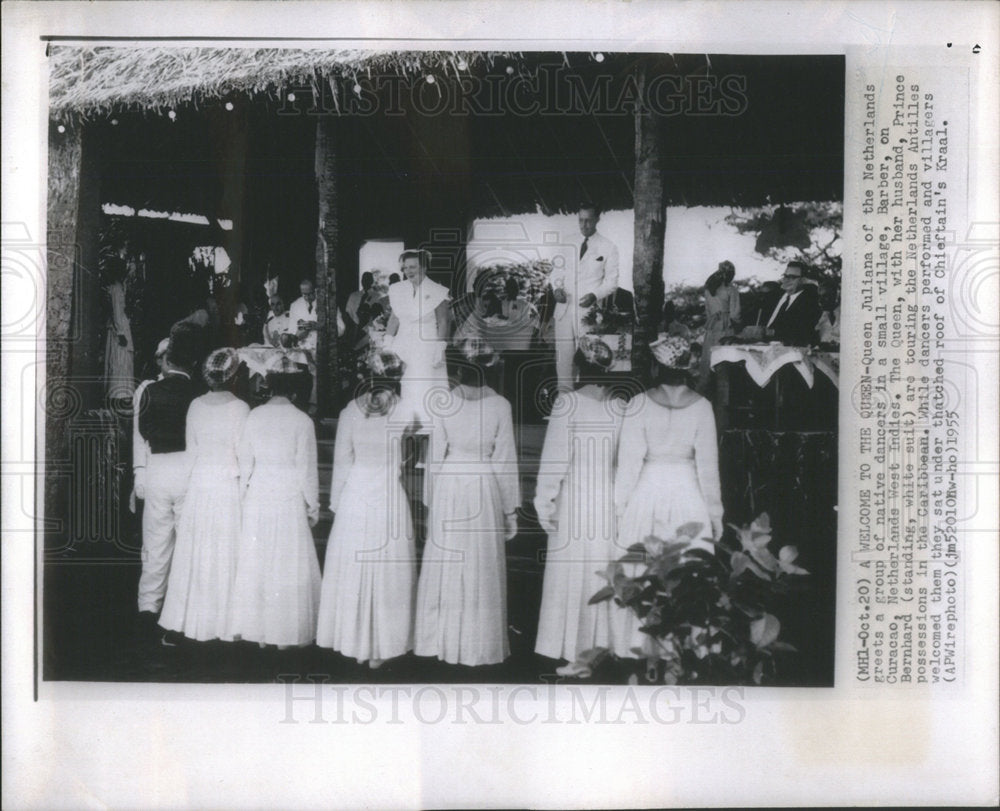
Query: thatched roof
(88, 81)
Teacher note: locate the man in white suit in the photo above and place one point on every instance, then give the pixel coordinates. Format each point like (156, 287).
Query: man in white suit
(576, 287)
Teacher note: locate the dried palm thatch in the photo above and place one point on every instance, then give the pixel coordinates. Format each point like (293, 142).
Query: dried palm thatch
(86, 81)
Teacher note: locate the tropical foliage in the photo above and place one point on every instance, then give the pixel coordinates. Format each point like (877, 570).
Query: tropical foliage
(708, 618)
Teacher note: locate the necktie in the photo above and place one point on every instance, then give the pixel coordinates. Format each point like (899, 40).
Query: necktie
(583, 247)
(310, 308)
(782, 306)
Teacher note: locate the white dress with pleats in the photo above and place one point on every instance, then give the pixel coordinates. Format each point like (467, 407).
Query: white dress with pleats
(574, 499)
(668, 476)
(276, 596)
(369, 578)
(462, 593)
(203, 567)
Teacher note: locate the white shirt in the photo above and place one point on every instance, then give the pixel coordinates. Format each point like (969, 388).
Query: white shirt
(274, 326)
(302, 310)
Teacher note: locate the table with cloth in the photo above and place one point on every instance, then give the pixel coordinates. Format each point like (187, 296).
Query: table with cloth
(775, 386)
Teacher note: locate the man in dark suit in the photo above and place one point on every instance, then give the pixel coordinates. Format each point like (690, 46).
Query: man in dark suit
(793, 319)
(163, 411)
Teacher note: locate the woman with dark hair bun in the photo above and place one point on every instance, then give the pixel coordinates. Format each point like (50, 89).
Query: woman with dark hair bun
(276, 595)
(668, 468)
(369, 579)
(475, 492)
(575, 506)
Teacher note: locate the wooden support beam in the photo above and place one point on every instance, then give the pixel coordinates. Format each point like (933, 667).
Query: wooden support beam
(650, 228)
(327, 237)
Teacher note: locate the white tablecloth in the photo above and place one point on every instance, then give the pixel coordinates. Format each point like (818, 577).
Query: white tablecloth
(763, 360)
(258, 356)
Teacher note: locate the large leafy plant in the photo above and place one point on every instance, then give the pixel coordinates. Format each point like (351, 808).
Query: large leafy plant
(708, 618)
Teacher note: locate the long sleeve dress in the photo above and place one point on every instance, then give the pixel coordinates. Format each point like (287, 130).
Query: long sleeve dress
(203, 567)
(462, 593)
(119, 360)
(276, 596)
(722, 311)
(574, 499)
(369, 580)
(668, 476)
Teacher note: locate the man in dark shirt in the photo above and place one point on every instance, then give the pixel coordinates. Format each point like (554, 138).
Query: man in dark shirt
(163, 411)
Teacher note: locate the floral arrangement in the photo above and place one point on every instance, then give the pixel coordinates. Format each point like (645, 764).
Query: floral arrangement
(708, 618)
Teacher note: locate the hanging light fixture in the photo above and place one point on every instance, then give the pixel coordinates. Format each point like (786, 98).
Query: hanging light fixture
(598, 57)
(229, 106)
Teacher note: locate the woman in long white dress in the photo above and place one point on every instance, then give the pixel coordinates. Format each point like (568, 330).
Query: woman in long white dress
(276, 597)
(369, 579)
(417, 330)
(475, 491)
(203, 567)
(668, 469)
(574, 499)
(119, 350)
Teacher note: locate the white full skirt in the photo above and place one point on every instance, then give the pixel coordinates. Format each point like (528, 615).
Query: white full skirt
(666, 497)
(203, 567)
(567, 625)
(462, 594)
(276, 596)
(369, 577)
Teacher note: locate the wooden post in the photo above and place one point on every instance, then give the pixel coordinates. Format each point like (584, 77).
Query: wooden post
(63, 400)
(650, 228)
(327, 233)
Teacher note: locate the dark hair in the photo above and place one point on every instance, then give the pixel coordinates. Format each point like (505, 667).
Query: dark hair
(491, 304)
(187, 346)
(394, 277)
(287, 384)
(589, 374)
(672, 376)
(714, 282)
(467, 371)
(310, 282)
(422, 256)
(511, 288)
(367, 279)
(795, 263)
(589, 205)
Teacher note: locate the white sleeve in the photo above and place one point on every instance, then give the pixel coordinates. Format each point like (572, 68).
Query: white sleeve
(343, 455)
(706, 460)
(305, 461)
(610, 281)
(140, 448)
(631, 454)
(554, 464)
(504, 460)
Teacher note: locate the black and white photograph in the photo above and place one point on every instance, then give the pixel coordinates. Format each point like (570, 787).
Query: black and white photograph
(499, 405)
(442, 366)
